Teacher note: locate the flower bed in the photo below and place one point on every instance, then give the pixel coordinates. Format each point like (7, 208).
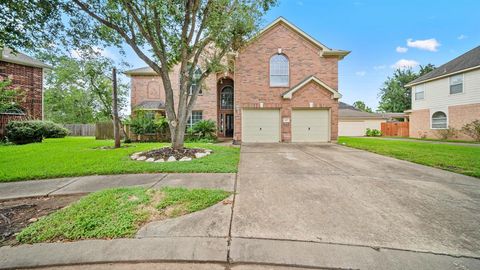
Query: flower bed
(168, 154)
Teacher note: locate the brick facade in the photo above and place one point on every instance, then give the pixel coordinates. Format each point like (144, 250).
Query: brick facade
(30, 81)
(457, 117)
(251, 83)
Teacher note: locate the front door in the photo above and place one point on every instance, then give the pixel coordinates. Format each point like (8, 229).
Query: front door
(229, 125)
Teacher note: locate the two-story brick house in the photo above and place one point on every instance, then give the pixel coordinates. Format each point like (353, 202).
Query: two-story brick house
(448, 96)
(283, 88)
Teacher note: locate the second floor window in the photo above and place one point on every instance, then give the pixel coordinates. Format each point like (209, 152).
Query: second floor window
(195, 81)
(456, 84)
(226, 98)
(420, 92)
(279, 71)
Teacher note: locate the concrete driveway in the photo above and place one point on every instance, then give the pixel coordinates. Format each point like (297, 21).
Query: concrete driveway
(337, 195)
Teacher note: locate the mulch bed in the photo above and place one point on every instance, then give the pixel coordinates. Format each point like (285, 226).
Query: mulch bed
(167, 152)
(16, 214)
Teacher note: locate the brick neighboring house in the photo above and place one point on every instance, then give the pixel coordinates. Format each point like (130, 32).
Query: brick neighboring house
(26, 73)
(448, 96)
(283, 87)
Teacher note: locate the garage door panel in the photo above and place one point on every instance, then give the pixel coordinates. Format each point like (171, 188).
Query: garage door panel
(260, 126)
(310, 126)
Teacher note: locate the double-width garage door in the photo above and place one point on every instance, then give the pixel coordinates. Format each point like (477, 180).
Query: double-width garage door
(310, 126)
(260, 125)
(306, 125)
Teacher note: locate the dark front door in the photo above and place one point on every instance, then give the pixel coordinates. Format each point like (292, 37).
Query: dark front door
(229, 125)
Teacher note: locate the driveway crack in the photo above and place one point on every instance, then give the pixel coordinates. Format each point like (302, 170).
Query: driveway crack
(229, 239)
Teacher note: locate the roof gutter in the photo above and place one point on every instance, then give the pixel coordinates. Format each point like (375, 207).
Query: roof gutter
(443, 76)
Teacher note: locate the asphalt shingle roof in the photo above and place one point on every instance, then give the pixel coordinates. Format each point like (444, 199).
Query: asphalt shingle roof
(467, 60)
(150, 105)
(348, 111)
(7, 55)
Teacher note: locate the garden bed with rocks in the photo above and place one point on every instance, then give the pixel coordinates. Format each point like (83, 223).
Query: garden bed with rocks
(168, 154)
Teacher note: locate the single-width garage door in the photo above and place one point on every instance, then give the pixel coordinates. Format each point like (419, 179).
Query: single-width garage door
(351, 128)
(260, 126)
(310, 126)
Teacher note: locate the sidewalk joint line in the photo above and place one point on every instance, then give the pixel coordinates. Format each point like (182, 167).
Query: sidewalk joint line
(229, 239)
(74, 180)
(158, 181)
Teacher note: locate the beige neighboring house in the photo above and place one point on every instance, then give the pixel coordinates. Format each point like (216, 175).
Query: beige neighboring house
(354, 122)
(448, 96)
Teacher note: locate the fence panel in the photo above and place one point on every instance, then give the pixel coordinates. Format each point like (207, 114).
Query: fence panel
(395, 129)
(81, 129)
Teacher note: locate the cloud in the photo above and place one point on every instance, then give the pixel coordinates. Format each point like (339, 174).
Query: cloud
(379, 67)
(404, 63)
(361, 73)
(426, 44)
(462, 36)
(400, 49)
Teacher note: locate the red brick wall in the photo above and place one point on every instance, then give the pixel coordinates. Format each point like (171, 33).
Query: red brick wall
(457, 116)
(252, 85)
(30, 81)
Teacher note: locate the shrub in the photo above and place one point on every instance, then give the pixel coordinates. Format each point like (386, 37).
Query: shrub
(147, 123)
(445, 134)
(52, 130)
(473, 130)
(23, 132)
(203, 130)
(373, 132)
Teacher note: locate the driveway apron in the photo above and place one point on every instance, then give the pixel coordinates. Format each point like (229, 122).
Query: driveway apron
(328, 193)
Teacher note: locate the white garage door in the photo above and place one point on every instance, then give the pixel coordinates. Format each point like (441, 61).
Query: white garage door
(260, 126)
(310, 126)
(351, 128)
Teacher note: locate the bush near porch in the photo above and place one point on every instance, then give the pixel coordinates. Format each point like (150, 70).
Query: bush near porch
(75, 156)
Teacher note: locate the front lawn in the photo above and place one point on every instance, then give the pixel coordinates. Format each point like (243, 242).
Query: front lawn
(75, 156)
(456, 158)
(115, 213)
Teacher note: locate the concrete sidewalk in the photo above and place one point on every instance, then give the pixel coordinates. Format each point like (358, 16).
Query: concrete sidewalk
(87, 184)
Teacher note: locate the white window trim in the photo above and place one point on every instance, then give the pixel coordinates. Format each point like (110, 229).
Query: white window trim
(270, 72)
(450, 84)
(415, 92)
(431, 116)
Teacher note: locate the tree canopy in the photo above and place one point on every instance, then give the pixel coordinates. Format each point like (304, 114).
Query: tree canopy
(80, 90)
(394, 96)
(361, 106)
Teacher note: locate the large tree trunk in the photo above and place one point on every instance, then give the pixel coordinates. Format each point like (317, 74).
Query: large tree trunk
(116, 120)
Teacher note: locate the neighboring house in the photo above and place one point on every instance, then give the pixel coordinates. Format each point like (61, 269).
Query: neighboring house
(448, 96)
(354, 122)
(283, 87)
(26, 74)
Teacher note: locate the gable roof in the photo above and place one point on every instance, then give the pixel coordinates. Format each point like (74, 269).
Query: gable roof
(325, 50)
(350, 112)
(288, 94)
(467, 61)
(150, 105)
(7, 55)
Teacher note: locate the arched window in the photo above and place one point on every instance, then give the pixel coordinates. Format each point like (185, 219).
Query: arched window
(439, 120)
(279, 71)
(226, 98)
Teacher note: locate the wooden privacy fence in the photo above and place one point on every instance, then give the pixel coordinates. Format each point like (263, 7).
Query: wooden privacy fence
(395, 129)
(104, 131)
(7, 117)
(81, 129)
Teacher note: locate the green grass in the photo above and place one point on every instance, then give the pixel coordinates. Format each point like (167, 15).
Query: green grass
(187, 201)
(456, 158)
(75, 156)
(116, 213)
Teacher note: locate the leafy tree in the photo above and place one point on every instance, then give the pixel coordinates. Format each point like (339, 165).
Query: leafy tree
(394, 96)
(190, 33)
(28, 23)
(361, 106)
(80, 90)
(9, 97)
